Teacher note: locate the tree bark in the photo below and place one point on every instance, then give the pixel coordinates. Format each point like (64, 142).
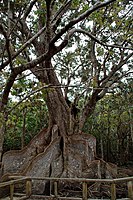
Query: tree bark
(1, 141)
(2, 133)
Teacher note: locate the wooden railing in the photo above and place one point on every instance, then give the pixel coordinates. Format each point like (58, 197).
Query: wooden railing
(28, 182)
(18, 180)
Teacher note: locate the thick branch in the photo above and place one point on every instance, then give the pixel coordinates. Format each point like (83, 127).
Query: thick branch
(66, 40)
(19, 70)
(7, 45)
(80, 18)
(25, 30)
(100, 92)
(100, 42)
(23, 47)
(115, 69)
(89, 108)
(60, 13)
(7, 89)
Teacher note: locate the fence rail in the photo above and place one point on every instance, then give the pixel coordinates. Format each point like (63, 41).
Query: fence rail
(28, 183)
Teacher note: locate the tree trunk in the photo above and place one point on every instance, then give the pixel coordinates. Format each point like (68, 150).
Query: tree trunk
(67, 152)
(1, 141)
(2, 134)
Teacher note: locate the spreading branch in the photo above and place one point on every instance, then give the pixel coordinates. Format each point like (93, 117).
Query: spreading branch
(100, 42)
(7, 45)
(22, 48)
(115, 69)
(60, 13)
(80, 18)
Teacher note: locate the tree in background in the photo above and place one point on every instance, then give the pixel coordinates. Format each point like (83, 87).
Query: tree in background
(78, 51)
(24, 122)
(111, 124)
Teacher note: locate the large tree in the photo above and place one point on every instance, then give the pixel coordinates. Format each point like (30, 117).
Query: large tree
(64, 44)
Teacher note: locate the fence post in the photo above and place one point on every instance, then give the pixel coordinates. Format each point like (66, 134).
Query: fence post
(56, 189)
(130, 190)
(28, 187)
(113, 191)
(11, 191)
(84, 190)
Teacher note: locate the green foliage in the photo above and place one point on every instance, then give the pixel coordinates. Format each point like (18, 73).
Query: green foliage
(34, 112)
(111, 125)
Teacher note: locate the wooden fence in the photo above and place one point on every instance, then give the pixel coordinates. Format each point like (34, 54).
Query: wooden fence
(28, 183)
